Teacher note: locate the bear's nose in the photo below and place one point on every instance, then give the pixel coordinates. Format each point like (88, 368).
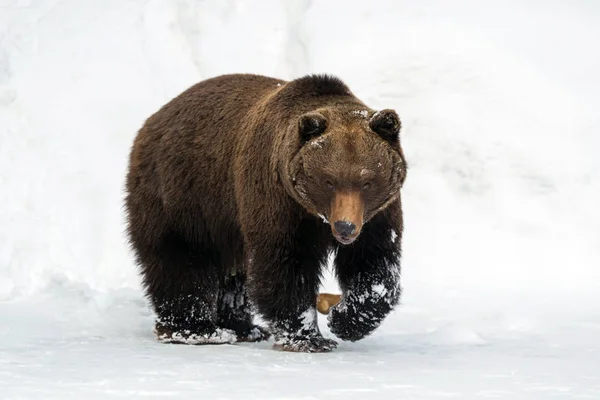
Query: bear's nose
(344, 228)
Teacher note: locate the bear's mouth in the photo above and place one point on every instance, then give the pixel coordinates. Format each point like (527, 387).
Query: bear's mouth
(345, 240)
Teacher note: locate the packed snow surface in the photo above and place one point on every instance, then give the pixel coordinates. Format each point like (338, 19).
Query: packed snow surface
(501, 130)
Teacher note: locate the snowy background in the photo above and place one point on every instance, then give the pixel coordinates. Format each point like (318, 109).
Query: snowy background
(499, 102)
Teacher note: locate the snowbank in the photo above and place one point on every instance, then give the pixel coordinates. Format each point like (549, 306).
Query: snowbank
(500, 126)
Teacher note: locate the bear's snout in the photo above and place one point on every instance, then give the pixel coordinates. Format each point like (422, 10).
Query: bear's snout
(344, 228)
(345, 232)
(346, 216)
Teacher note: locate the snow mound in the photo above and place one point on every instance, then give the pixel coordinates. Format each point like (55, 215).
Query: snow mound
(500, 141)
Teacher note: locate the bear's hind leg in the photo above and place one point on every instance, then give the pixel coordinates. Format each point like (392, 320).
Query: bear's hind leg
(235, 312)
(181, 280)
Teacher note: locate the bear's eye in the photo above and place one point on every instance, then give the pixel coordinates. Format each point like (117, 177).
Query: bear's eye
(367, 186)
(329, 185)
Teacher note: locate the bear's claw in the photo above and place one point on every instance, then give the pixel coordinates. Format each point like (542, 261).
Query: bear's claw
(313, 344)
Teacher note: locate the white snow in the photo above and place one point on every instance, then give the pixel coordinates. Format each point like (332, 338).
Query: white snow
(379, 290)
(501, 248)
(220, 336)
(318, 142)
(324, 219)
(360, 113)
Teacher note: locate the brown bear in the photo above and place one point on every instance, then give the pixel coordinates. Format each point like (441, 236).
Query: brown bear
(237, 191)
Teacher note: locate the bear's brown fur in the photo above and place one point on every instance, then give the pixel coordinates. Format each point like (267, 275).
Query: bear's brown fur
(228, 187)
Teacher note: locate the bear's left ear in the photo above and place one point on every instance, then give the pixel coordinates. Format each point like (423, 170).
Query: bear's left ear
(386, 124)
(311, 125)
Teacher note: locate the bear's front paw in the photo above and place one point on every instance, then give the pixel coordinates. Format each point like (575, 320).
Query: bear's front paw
(310, 344)
(350, 325)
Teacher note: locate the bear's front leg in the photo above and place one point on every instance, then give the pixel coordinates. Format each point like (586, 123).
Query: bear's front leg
(369, 275)
(283, 275)
(301, 334)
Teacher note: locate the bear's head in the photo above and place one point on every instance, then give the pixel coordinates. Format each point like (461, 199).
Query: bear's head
(349, 166)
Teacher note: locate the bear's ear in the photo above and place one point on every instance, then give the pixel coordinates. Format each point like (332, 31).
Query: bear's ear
(386, 124)
(311, 125)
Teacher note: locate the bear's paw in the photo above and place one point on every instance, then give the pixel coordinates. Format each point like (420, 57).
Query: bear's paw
(311, 344)
(186, 336)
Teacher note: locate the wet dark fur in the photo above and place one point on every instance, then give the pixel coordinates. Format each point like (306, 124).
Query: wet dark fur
(208, 196)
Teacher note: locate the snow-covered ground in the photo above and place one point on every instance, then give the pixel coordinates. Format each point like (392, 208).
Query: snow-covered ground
(501, 264)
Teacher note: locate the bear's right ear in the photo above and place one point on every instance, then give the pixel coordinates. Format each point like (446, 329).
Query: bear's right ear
(311, 125)
(386, 124)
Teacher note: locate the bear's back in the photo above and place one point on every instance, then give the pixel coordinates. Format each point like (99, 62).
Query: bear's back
(183, 154)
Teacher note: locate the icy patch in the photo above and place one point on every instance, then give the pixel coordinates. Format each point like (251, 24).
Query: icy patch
(324, 218)
(393, 236)
(219, 336)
